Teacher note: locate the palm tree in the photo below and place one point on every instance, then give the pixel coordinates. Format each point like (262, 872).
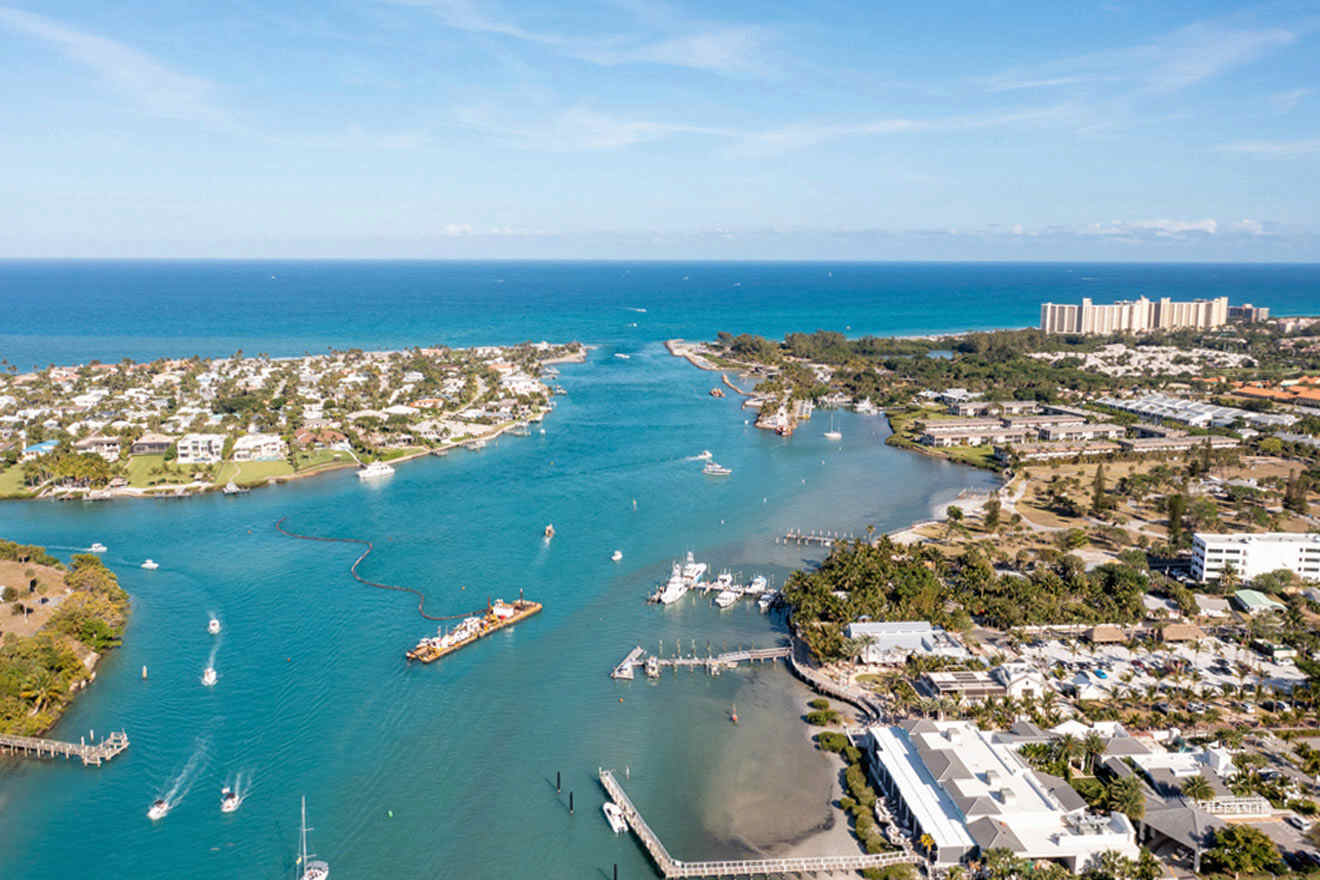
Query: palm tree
(1197, 788)
(1125, 796)
(42, 690)
(1069, 748)
(1093, 746)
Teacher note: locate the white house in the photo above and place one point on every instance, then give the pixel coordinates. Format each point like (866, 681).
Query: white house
(259, 447)
(891, 642)
(201, 448)
(1021, 679)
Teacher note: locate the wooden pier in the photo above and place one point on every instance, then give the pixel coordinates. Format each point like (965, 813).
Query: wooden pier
(818, 538)
(35, 747)
(712, 663)
(672, 867)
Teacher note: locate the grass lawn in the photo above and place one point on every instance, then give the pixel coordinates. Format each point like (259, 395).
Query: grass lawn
(977, 456)
(140, 467)
(391, 454)
(319, 458)
(251, 473)
(11, 482)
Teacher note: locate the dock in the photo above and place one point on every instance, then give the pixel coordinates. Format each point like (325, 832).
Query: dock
(712, 663)
(672, 867)
(93, 754)
(819, 538)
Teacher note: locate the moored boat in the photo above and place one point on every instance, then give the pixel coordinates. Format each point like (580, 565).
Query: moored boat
(726, 598)
(614, 815)
(375, 471)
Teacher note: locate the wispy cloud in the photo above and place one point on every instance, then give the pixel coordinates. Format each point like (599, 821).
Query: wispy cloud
(717, 48)
(1274, 149)
(1162, 228)
(1285, 102)
(151, 85)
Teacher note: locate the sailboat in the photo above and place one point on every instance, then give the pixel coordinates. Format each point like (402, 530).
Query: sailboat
(314, 869)
(833, 433)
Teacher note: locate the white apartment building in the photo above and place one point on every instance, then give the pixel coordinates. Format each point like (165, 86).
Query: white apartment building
(201, 448)
(1140, 315)
(969, 794)
(259, 447)
(1254, 555)
(891, 642)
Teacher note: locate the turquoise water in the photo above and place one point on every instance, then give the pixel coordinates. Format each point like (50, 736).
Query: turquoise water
(314, 697)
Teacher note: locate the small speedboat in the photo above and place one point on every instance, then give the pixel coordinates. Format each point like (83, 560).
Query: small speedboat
(229, 800)
(209, 677)
(614, 815)
(726, 598)
(98, 547)
(616, 555)
(151, 565)
(766, 600)
(621, 356)
(714, 469)
(158, 810)
(549, 531)
(213, 627)
(757, 585)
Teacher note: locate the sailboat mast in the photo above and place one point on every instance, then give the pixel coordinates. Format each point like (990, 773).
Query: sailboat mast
(302, 846)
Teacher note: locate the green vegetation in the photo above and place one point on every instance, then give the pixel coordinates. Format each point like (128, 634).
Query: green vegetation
(40, 673)
(885, 581)
(12, 482)
(1241, 849)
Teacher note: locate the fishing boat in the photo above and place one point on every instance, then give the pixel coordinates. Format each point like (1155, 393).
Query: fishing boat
(757, 585)
(692, 570)
(209, 677)
(377, 470)
(97, 547)
(675, 588)
(229, 800)
(150, 565)
(616, 555)
(313, 869)
(614, 815)
(714, 469)
(726, 598)
(833, 433)
(157, 810)
(549, 531)
(213, 627)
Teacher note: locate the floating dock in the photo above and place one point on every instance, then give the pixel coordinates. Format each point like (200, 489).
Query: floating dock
(428, 651)
(819, 538)
(627, 667)
(92, 755)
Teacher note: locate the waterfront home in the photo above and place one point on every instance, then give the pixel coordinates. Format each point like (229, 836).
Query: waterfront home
(36, 450)
(964, 791)
(201, 448)
(259, 447)
(892, 642)
(152, 443)
(318, 438)
(99, 444)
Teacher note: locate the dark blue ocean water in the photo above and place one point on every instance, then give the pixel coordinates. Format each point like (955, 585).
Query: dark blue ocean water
(444, 771)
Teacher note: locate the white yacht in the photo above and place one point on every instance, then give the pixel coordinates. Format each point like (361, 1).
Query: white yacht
(757, 585)
(616, 555)
(213, 627)
(676, 588)
(229, 800)
(833, 433)
(313, 869)
(614, 815)
(209, 677)
(150, 565)
(98, 547)
(726, 598)
(693, 570)
(766, 600)
(375, 471)
(232, 488)
(714, 469)
(158, 810)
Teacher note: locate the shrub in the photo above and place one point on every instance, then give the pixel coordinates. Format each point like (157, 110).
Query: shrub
(852, 754)
(830, 741)
(823, 718)
(819, 703)
(846, 803)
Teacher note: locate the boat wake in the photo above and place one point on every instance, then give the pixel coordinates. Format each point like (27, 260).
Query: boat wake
(241, 785)
(177, 788)
(635, 309)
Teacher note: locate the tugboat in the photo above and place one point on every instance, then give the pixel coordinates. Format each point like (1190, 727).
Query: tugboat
(157, 810)
(229, 800)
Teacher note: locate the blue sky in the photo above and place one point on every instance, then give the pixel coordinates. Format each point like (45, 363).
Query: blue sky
(631, 129)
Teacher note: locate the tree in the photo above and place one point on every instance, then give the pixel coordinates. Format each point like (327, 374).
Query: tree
(992, 511)
(1176, 507)
(1197, 788)
(1241, 849)
(1098, 500)
(1125, 796)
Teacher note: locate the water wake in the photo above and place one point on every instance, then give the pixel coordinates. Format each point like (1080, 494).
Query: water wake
(178, 787)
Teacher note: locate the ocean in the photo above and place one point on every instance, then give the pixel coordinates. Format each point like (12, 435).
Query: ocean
(447, 770)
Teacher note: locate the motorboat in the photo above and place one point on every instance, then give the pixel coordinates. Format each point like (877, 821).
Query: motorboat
(313, 869)
(616, 555)
(549, 531)
(614, 815)
(652, 667)
(232, 488)
(713, 469)
(150, 565)
(758, 585)
(766, 600)
(213, 627)
(733, 713)
(229, 800)
(726, 598)
(97, 547)
(157, 810)
(621, 356)
(692, 570)
(675, 588)
(375, 471)
(209, 677)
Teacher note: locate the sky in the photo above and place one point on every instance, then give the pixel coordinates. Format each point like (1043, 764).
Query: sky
(628, 129)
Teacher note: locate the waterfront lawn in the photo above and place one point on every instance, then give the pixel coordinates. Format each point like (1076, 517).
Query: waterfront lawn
(319, 458)
(977, 456)
(139, 472)
(11, 482)
(392, 454)
(251, 473)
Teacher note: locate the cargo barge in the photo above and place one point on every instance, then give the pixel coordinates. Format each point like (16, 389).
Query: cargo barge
(499, 614)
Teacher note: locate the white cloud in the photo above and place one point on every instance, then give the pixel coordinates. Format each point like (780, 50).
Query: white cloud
(1249, 227)
(1141, 229)
(1274, 149)
(150, 84)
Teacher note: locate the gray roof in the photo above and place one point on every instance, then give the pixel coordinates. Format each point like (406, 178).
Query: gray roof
(993, 834)
(1064, 793)
(1124, 745)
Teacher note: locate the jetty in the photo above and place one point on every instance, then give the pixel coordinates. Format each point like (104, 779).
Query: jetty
(93, 754)
(627, 667)
(724, 377)
(820, 538)
(672, 867)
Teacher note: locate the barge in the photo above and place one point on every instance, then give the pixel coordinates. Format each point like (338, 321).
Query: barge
(499, 614)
